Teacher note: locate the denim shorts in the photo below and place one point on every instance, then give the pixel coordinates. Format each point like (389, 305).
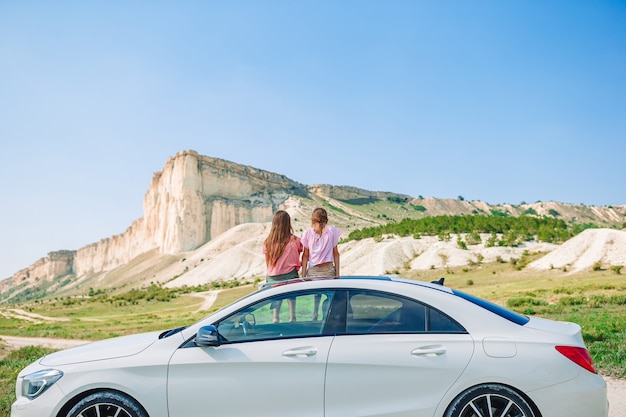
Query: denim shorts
(282, 277)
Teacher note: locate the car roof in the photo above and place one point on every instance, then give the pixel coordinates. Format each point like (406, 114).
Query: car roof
(435, 285)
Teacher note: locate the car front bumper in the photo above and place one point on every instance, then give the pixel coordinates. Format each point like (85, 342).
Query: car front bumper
(43, 406)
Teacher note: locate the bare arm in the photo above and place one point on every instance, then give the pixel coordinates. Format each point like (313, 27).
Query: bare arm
(305, 261)
(336, 260)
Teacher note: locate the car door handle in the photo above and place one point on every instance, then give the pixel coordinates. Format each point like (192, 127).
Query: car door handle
(301, 352)
(429, 351)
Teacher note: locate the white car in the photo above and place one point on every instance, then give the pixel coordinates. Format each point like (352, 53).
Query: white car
(377, 346)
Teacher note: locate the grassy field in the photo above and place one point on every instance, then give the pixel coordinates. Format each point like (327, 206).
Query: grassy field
(596, 300)
(95, 318)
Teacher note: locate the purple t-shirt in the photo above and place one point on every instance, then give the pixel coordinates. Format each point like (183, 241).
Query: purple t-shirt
(321, 247)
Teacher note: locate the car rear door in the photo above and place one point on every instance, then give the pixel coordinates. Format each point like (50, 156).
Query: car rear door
(397, 358)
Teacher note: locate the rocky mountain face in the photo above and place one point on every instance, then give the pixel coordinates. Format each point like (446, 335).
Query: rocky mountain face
(195, 199)
(191, 201)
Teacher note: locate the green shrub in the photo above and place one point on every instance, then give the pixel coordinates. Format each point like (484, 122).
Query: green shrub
(618, 299)
(573, 301)
(553, 213)
(596, 301)
(397, 199)
(473, 238)
(525, 301)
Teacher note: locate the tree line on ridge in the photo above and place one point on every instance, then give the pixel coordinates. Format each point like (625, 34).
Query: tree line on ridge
(505, 231)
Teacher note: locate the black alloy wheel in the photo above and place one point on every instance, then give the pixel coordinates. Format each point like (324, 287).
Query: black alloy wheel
(107, 404)
(489, 400)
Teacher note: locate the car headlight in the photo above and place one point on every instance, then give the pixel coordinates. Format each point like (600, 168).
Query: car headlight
(35, 384)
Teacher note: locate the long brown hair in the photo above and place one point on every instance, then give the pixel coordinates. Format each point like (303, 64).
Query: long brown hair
(279, 236)
(319, 216)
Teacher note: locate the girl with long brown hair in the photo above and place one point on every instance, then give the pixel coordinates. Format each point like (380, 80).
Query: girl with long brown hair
(282, 256)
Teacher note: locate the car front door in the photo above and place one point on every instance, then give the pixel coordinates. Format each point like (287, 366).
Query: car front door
(388, 363)
(262, 367)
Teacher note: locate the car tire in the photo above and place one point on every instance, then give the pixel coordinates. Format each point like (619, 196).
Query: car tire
(107, 404)
(489, 400)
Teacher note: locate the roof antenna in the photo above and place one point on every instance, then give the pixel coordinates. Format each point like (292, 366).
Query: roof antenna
(439, 281)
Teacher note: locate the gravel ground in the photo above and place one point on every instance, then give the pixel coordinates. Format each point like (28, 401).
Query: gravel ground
(617, 397)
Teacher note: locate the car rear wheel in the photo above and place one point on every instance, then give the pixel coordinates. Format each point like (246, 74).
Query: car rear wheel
(107, 404)
(489, 400)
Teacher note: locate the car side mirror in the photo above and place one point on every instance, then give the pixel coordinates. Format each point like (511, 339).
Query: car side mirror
(208, 336)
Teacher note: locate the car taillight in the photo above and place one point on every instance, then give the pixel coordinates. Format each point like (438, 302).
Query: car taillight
(578, 355)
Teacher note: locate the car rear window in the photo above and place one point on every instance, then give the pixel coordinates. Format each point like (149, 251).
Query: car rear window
(494, 308)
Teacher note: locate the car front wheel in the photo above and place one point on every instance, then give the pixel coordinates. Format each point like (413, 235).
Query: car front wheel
(489, 400)
(107, 404)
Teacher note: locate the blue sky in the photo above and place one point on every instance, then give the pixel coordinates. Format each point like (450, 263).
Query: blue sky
(500, 101)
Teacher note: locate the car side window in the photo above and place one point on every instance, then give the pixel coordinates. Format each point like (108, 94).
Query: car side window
(440, 323)
(374, 312)
(272, 319)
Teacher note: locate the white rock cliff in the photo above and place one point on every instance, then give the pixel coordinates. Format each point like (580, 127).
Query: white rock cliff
(191, 201)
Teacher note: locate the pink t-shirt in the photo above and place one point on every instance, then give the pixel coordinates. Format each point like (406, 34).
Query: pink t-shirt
(321, 247)
(288, 260)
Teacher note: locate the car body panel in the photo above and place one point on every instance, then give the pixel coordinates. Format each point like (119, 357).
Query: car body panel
(412, 370)
(103, 349)
(584, 395)
(245, 376)
(142, 376)
(398, 373)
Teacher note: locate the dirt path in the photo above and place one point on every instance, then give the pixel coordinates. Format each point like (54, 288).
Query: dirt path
(209, 299)
(15, 313)
(15, 342)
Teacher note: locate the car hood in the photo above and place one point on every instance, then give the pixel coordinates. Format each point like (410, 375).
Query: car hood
(105, 349)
